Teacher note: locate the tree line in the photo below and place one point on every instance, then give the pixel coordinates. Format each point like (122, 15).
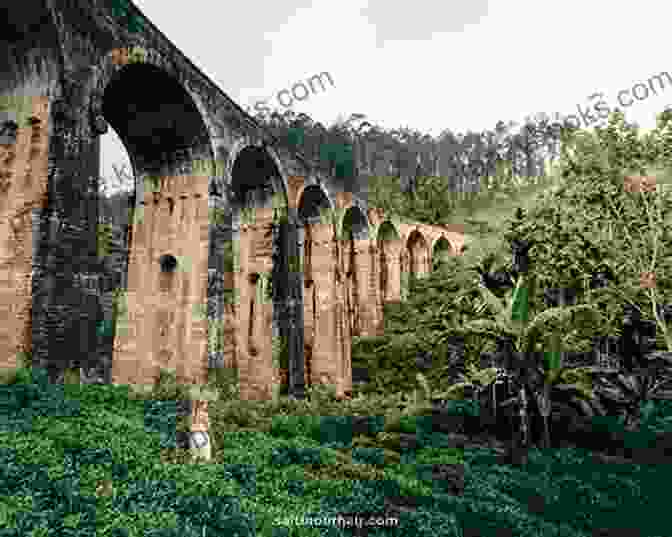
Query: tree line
(354, 150)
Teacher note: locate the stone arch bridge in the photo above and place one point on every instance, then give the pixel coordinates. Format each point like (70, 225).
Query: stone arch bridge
(207, 176)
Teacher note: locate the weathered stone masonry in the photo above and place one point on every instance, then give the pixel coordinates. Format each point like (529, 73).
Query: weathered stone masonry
(313, 262)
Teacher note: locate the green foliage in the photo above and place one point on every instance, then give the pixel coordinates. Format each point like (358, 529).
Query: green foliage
(579, 496)
(152, 183)
(120, 10)
(475, 378)
(435, 311)
(119, 304)
(435, 202)
(590, 220)
(166, 388)
(21, 374)
(294, 426)
(215, 335)
(104, 239)
(584, 221)
(295, 137)
(339, 156)
(293, 455)
(225, 381)
(280, 352)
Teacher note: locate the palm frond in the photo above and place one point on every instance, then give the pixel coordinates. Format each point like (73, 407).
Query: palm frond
(561, 317)
(490, 327)
(497, 307)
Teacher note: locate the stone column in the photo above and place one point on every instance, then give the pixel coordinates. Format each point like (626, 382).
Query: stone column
(428, 261)
(344, 345)
(308, 330)
(23, 187)
(326, 356)
(260, 343)
(129, 347)
(309, 302)
(294, 310)
(148, 295)
(161, 319)
(256, 369)
(185, 212)
(351, 306)
(366, 306)
(195, 251)
(425, 264)
(242, 286)
(196, 357)
(70, 253)
(394, 261)
(232, 304)
(375, 292)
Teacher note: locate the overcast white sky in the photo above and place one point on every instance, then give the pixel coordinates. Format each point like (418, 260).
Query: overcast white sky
(428, 65)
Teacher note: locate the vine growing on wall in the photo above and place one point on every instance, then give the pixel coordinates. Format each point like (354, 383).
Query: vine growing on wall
(104, 241)
(215, 336)
(119, 310)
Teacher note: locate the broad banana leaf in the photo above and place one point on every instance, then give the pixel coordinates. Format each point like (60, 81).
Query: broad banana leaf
(497, 306)
(553, 375)
(488, 326)
(561, 316)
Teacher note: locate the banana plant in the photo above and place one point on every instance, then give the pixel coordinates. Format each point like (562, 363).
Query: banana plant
(624, 393)
(512, 320)
(475, 379)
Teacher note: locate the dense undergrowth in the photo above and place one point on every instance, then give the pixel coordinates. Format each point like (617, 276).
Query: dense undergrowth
(83, 457)
(79, 458)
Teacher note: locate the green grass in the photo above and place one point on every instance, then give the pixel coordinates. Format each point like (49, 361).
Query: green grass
(253, 473)
(109, 420)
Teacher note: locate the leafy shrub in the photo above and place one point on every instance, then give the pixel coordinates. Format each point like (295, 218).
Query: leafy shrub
(294, 455)
(293, 426)
(368, 456)
(463, 408)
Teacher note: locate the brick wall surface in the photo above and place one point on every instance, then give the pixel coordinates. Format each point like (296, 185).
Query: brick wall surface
(23, 186)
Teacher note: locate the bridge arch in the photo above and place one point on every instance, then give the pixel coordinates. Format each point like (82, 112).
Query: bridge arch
(245, 148)
(171, 217)
(389, 245)
(315, 211)
(355, 265)
(310, 188)
(143, 69)
(313, 202)
(416, 256)
(315, 215)
(33, 52)
(257, 196)
(441, 251)
(255, 179)
(354, 223)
